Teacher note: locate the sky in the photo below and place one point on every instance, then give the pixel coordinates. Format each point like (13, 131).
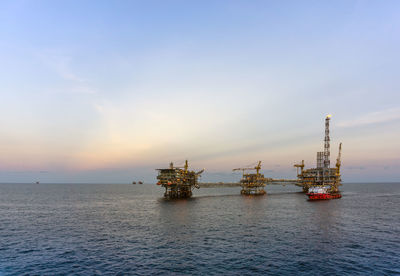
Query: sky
(108, 91)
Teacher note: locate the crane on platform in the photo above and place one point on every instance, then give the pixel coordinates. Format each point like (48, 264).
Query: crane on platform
(257, 168)
(301, 166)
(338, 160)
(185, 167)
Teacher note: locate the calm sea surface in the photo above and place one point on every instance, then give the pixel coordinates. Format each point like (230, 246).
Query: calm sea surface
(88, 229)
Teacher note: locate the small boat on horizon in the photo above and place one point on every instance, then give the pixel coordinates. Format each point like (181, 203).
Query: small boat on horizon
(134, 182)
(140, 182)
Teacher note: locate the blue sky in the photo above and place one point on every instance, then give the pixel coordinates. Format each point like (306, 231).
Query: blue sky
(106, 91)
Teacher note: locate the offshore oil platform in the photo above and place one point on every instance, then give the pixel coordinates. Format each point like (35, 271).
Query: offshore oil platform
(252, 183)
(321, 182)
(178, 181)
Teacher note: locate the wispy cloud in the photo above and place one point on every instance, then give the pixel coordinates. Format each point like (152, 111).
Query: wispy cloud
(61, 64)
(373, 118)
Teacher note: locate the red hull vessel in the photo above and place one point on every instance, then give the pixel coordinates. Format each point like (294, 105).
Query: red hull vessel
(322, 193)
(322, 196)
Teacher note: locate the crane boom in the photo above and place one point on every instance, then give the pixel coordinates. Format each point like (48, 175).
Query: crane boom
(338, 160)
(257, 168)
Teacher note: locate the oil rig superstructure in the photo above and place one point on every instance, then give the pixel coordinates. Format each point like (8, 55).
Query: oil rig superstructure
(321, 182)
(323, 175)
(178, 181)
(252, 183)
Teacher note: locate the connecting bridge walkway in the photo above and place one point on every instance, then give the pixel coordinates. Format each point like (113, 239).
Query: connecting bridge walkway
(268, 181)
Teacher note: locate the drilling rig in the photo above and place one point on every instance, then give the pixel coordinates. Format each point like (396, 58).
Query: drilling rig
(178, 181)
(252, 183)
(323, 175)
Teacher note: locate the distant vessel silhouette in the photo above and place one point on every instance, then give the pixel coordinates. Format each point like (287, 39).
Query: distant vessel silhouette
(134, 182)
(140, 182)
(37, 182)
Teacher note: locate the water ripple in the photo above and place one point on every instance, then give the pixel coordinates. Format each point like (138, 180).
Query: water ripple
(131, 230)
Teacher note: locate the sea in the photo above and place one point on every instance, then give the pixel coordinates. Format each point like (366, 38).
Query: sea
(121, 229)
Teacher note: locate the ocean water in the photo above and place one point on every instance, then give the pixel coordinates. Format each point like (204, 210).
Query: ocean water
(93, 229)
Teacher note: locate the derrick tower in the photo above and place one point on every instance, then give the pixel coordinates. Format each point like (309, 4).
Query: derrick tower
(327, 162)
(327, 152)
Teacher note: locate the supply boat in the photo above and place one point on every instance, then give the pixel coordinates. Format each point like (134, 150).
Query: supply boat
(320, 193)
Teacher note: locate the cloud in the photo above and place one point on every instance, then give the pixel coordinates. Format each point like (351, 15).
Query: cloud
(377, 117)
(61, 65)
